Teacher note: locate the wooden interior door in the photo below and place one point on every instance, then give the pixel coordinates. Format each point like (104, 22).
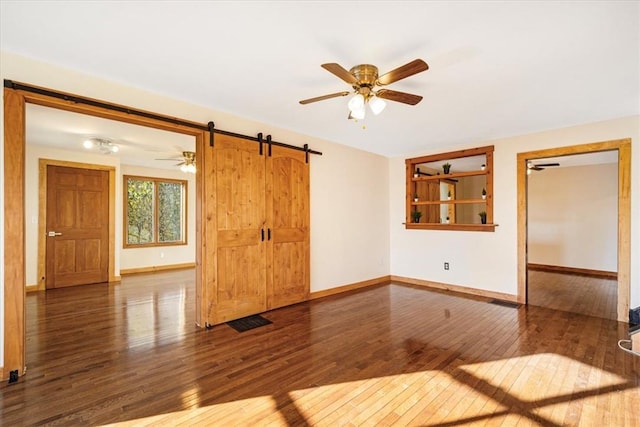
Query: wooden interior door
(240, 284)
(77, 249)
(288, 220)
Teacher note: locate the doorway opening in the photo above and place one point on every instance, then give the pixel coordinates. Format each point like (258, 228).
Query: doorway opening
(572, 243)
(15, 102)
(622, 151)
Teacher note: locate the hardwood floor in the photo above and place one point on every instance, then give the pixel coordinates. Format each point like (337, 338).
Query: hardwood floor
(130, 354)
(592, 296)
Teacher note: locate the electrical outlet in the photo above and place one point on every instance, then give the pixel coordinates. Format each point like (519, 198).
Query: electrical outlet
(446, 265)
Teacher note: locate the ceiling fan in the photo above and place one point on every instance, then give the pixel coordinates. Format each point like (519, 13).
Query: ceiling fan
(188, 163)
(366, 85)
(540, 166)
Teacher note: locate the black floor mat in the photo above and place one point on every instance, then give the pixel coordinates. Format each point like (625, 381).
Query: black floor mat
(505, 303)
(247, 323)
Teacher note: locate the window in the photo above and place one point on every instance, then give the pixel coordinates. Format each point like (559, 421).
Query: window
(451, 191)
(155, 211)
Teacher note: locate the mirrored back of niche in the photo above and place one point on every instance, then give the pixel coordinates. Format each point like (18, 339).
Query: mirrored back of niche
(451, 190)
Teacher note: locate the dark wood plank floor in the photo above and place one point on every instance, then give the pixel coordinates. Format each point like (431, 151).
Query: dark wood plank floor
(130, 354)
(592, 296)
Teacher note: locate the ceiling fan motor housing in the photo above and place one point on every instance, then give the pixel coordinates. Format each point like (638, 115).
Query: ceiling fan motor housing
(366, 74)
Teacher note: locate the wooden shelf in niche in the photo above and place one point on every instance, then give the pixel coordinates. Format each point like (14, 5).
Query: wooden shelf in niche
(449, 175)
(447, 202)
(457, 227)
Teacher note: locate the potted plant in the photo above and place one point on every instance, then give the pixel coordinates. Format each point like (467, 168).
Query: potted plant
(415, 215)
(447, 221)
(484, 193)
(415, 197)
(449, 195)
(483, 167)
(483, 217)
(446, 167)
(416, 174)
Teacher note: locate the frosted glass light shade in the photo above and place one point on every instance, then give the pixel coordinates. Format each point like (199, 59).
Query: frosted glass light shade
(358, 114)
(377, 105)
(356, 103)
(190, 168)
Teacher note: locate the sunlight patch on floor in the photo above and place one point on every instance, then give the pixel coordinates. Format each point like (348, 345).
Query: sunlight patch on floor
(531, 390)
(228, 413)
(539, 388)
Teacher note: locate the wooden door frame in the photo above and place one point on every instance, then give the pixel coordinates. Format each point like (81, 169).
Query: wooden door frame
(43, 164)
(623, 147)
(15, 100)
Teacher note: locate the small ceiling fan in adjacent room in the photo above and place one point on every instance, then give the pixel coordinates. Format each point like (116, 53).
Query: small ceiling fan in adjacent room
(188, 163)
(367, 85)
(539, 167)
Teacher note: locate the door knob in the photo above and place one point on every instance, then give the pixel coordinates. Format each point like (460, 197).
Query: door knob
(53, 234)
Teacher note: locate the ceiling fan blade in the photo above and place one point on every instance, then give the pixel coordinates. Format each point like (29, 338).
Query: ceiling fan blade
(339, 71)
(394, 95)
(546, 165)
(323, 97)
(414, 67)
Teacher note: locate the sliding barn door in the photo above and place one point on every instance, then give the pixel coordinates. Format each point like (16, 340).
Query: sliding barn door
(288, 220)
(240, 283)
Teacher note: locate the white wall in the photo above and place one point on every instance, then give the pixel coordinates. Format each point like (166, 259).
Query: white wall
(349, 187)
(489, 260)
(573, 217)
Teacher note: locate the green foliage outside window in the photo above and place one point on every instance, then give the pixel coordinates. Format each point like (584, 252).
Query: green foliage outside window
(155, 211)
(169, 212)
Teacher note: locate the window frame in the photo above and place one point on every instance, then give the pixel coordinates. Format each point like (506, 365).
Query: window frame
(156, 224)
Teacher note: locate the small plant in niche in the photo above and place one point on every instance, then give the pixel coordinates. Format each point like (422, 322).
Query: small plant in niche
(415, 197)
(483, 217)
(483, 167)
(447, 221)
(446, 168)
(415, 215)
(484, 193)
(449, 195)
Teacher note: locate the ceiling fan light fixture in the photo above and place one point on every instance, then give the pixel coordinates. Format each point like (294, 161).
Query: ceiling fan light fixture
(356, 103)
(105, 146)
(188, 168)
(359, 113)
(376, 104)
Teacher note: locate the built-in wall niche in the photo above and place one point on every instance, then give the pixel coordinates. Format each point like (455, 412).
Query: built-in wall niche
(451, 191)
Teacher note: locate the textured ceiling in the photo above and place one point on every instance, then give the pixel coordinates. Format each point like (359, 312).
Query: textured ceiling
(497, 69)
